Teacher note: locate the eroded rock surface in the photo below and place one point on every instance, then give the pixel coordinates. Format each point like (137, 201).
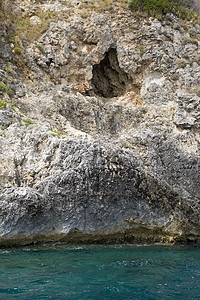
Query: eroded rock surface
(99, 137)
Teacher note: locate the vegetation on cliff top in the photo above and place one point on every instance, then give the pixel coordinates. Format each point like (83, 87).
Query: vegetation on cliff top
(156, 7)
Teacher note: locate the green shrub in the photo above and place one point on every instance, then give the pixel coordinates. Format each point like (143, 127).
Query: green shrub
(17, 48)
(3, 134)
(11, 39)
(40, 47)
(3, 103)
(8, 91)
(28, 122)
(161, 7)
(55, 132)
(2, 87)
(8, 70)
(151, 6)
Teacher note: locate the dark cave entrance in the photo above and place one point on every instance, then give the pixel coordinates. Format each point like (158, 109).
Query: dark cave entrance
(108, 79)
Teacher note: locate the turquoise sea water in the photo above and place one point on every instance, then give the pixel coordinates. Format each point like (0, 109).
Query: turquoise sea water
(100, 272)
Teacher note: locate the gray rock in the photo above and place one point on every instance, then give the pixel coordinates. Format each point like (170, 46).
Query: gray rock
(102, 141)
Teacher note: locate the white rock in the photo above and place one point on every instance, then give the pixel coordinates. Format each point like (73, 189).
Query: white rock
(35, 20)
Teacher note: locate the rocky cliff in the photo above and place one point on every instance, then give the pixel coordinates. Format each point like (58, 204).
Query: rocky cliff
(99, 116)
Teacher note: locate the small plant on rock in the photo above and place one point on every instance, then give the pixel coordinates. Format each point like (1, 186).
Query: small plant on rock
(17, 48)
(40, 47)
(3, 103)
(28, 122)
(2, 87)
(8, 91)
(8, 70)
(55, 132)
(142, 50)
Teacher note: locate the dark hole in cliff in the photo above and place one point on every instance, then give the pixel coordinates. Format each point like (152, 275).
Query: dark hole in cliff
(109, 80)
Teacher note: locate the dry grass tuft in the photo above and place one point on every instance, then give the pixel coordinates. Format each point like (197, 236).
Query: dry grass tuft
(23, 26)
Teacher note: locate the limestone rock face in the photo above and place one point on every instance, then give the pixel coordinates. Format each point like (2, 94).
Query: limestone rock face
(99, 128)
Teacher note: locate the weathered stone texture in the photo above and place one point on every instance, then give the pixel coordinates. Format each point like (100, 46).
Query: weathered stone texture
(100, 143)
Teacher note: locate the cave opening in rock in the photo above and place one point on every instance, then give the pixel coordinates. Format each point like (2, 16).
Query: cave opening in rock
(109, 80)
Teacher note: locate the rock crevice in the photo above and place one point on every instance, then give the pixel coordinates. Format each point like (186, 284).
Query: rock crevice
(108, 79)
